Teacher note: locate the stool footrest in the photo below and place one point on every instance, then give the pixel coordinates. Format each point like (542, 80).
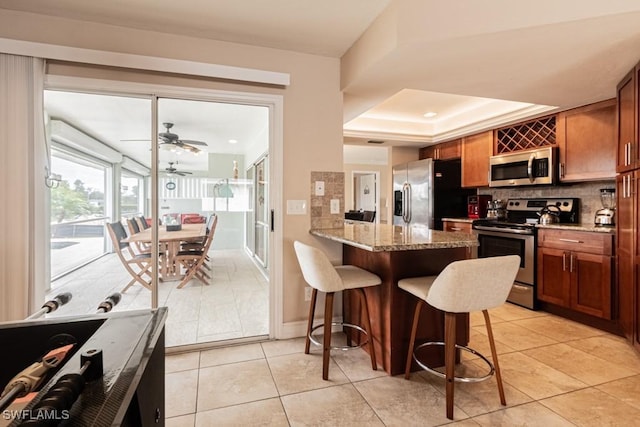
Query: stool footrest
(457, 379)
(316, 341)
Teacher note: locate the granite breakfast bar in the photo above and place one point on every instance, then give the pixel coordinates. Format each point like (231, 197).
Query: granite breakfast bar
(394, 253)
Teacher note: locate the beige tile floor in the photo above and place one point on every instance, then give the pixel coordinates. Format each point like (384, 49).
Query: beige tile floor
(234, 305)
(556, 373)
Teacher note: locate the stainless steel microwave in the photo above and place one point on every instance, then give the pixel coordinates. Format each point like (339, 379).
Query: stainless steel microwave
(531, 167)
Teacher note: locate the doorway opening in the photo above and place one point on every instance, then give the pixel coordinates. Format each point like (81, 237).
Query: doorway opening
(192, 184)
(365, 189)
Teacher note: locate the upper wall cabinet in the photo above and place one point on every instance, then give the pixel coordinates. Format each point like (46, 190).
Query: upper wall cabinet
(627, 123)
(587, 142)
(445, 151)
(476, 150)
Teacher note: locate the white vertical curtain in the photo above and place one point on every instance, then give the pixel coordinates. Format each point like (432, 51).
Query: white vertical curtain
(23, 194)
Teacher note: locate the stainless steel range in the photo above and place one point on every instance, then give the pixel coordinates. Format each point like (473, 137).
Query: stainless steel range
(517, 236)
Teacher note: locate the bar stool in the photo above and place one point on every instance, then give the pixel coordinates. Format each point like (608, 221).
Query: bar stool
(323, 276)
(462, 287)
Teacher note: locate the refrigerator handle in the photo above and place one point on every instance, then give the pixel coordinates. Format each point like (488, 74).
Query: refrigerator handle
(405, 201)
(409, 206)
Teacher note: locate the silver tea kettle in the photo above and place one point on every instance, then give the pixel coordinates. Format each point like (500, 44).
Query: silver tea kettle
(550, 214)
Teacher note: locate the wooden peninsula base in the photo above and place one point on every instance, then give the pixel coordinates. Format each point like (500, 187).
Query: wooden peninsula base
(395, 253)
(391, 309)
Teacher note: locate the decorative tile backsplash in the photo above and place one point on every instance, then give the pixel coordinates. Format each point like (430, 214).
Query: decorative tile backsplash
(587, 192)
(321, 216)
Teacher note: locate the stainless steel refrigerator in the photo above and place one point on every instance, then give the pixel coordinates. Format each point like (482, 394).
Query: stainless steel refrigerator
(425, 191)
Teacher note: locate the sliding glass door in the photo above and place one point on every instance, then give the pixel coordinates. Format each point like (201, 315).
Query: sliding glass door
(78, 204)
(213, 289)
(100, 162)
(161, 183)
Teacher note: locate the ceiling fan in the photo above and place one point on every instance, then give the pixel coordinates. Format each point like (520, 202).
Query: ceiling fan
(170, 141)
(171, 171)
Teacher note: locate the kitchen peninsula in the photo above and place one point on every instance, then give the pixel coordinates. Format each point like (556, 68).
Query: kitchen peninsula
(393, 253)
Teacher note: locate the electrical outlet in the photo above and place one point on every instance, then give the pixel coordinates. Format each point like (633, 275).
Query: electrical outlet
(307, 293)
(319, 188)
(335, 206)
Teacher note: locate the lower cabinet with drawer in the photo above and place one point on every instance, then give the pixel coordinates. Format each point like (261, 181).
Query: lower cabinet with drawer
(575, 270)
(460, 227)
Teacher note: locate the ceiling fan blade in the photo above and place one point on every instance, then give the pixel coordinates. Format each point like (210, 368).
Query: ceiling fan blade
(191, 142)
(168, 136)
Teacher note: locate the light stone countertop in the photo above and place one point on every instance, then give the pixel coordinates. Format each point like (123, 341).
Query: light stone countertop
(387, 237)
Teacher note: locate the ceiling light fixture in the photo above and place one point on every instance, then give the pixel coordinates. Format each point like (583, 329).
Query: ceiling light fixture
(233, 141)
(167, 147)
(430, 114)
(178, 148)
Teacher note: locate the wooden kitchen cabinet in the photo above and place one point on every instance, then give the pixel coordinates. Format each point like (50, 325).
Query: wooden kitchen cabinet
(627, 122)
(476, 150)
(586, 139)
(445, 151)
(458, 226)
(625, 253)
(628, 207)
(575, 270)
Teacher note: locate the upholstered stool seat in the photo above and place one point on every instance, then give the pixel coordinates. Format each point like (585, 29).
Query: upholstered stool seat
(462, 287)
(323, 276)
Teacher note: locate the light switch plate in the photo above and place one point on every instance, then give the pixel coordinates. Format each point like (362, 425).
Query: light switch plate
(296, 207)
(335, 206)
(319, 188)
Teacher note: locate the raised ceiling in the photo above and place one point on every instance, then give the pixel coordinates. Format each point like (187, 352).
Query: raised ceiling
(396, 52)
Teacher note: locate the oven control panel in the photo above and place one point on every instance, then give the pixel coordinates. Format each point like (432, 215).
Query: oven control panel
(534, 205)
(523, 210)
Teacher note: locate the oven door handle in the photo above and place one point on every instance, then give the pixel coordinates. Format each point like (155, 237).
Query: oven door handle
(530, 167)
(521, 287)
(502, 230)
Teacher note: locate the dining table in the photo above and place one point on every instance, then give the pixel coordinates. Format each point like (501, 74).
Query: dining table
(169, 242)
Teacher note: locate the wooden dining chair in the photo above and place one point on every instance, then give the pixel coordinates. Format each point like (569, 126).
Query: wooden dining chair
(198, 244)
(134, 228)
(193, 260)
(129, 258)
(142, 222)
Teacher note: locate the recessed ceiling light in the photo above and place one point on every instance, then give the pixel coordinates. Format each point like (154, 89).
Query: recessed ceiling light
(233, 141)
(430, 114)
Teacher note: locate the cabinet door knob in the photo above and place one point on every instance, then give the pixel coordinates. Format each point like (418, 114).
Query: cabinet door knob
(564, 261)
